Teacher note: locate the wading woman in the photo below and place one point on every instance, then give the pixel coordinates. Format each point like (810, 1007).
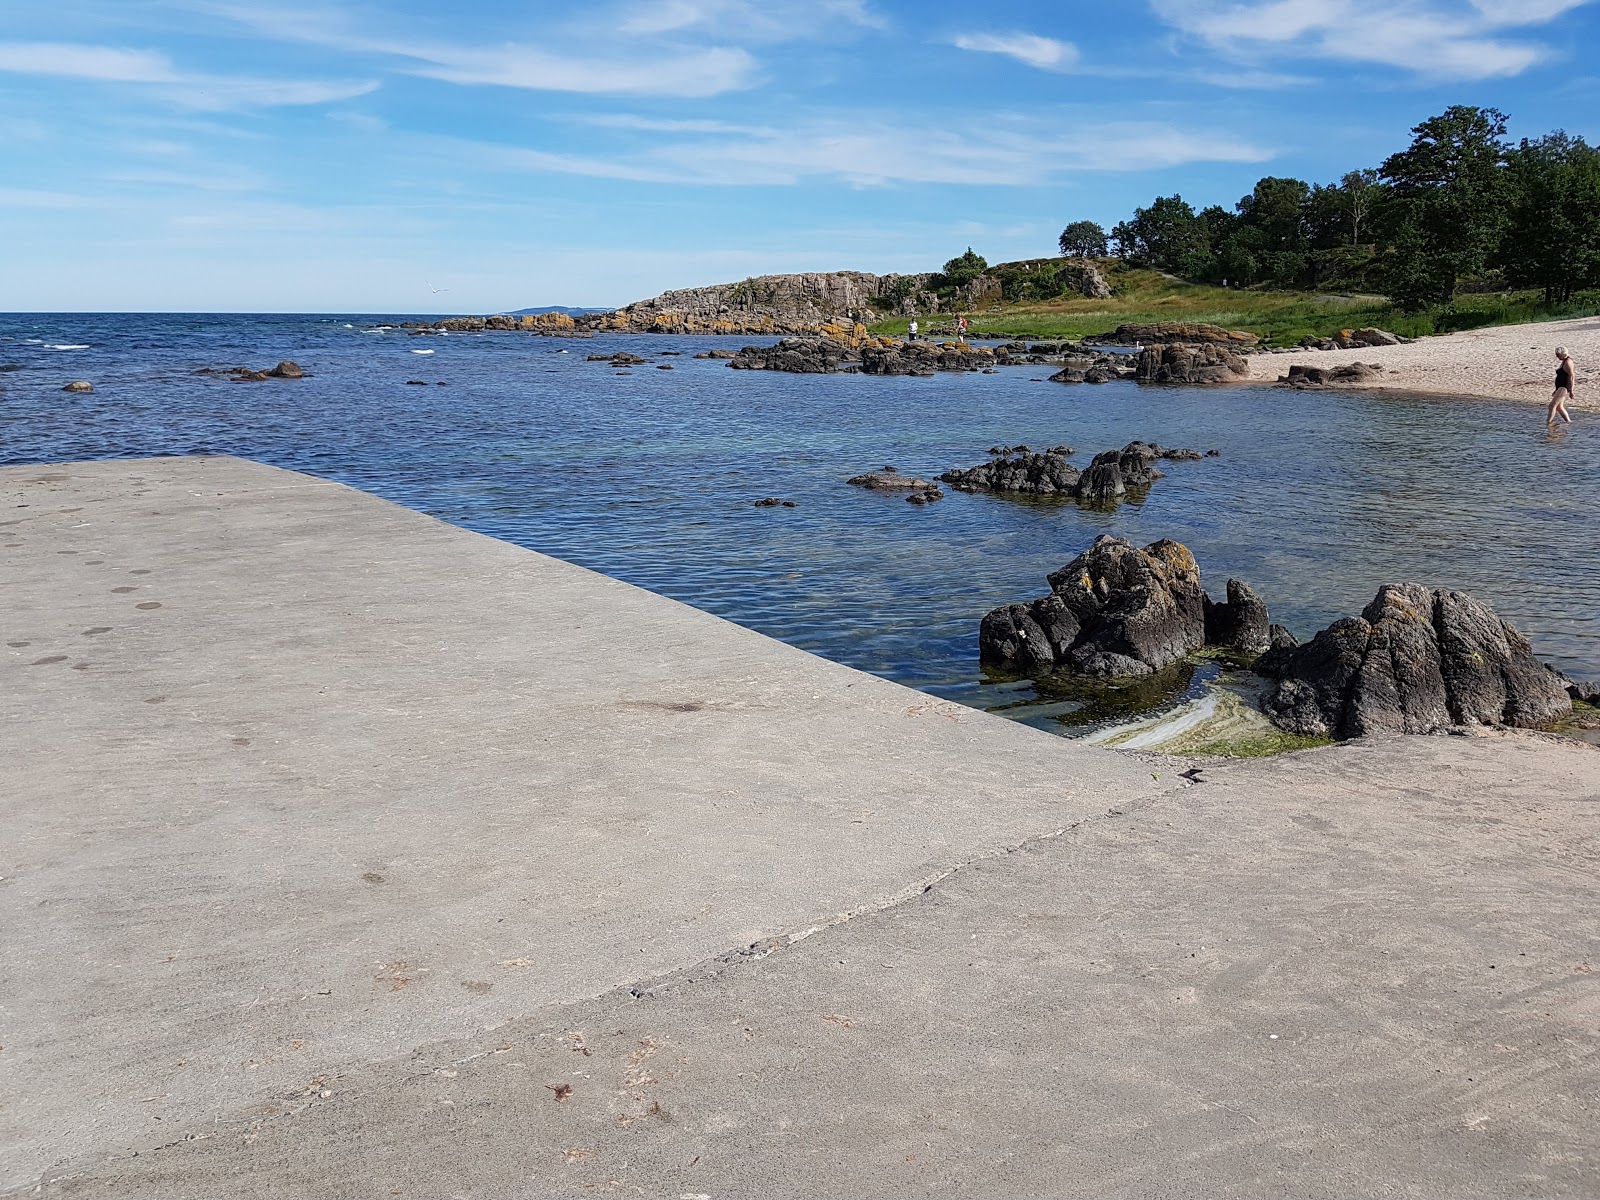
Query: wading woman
(1566, 380)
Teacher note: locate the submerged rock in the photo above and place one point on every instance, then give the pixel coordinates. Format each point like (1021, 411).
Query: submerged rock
(1415, 661)
(78, 385)
(890, 481)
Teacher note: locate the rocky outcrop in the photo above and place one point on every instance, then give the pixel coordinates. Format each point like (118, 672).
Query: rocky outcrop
(798, 356)
(1202, 363)
(1025, 473)
(1353, 339)
(766, 304)
(284, 370)
(1084, 367)
(1085, 278)
(1415, 661)
(1115, 610)
(78, 385)
(1178, 332)
(1111, 475)
(1301, 376)
(926, 358)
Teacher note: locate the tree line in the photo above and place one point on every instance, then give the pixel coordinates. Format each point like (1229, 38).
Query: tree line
(1460, 203)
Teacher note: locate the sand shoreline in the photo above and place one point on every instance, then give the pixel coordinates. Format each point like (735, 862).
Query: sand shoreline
(1504, 362)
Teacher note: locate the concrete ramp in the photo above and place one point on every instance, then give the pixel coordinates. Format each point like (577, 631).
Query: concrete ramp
(351, 854)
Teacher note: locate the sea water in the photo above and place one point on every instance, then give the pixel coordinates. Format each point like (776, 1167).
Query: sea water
(1316, 499)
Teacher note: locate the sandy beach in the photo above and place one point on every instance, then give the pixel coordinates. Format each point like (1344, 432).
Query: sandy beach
(1507, 362)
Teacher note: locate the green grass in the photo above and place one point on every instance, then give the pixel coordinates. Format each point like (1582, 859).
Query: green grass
(1278, 318)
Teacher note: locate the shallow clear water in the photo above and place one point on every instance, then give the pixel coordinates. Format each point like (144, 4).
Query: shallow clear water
(1318, 498)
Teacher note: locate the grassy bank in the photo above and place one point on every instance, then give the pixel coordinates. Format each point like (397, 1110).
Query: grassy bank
(1279, 318)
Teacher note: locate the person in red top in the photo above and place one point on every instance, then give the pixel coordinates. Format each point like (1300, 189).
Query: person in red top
(961, 326)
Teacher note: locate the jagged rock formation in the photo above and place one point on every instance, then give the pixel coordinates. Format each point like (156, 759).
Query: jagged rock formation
(798, 356)
(1024, 473)
(1202, 363)
(1242, 622)
(1415, 661)
(1108, 477)
(869, 355)
(924, 358)
(1115, 610)
(1178, 332)
(766, 304)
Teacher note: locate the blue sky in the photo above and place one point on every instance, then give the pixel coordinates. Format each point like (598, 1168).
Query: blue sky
(345, 156)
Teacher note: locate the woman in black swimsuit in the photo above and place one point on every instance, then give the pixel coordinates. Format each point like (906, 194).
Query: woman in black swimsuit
(1566, 380)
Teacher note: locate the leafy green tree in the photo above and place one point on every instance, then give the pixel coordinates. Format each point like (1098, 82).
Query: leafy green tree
(1083, 239)
(964, 268)
(1360, 193)
(1168, 236)
(1447, 205)
(1552, 237)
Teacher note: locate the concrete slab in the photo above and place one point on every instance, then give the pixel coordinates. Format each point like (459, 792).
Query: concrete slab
(297, 780)
(1363, 972)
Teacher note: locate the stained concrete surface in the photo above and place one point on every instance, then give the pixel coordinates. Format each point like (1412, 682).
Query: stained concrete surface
(425, 831)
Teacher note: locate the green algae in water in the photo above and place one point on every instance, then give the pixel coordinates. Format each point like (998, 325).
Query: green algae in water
(1583, 725)
(1074, 701)
(1225, 722)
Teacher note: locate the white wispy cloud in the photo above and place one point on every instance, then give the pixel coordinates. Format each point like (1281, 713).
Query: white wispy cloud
(749, 20)
(112, 64)
(689, 72)
(1438, 39)
(1045, 53)
(868, 153)
(52, 201)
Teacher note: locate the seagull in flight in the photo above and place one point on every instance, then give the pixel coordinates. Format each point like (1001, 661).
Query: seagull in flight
(435, 290)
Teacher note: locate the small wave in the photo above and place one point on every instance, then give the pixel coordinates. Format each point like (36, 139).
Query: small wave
(349, 326)
(422, 352)
(54, 346)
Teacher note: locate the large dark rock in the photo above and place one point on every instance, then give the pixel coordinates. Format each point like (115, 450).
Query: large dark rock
(1204, 363)
(1110, 476)
(1415, 661)
(1242, 622)
(1302, 376)
(287, 370)
(1047, 474)
(796, 355)
(1114, 610)
(927, 358)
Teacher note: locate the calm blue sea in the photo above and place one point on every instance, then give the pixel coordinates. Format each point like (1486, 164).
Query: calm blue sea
(1317, 499)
